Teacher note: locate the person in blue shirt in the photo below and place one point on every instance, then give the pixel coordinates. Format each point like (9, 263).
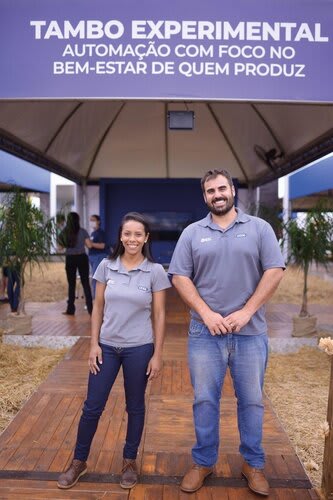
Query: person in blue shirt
(99, 250)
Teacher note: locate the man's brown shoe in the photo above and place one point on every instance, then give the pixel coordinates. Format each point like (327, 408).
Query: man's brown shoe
(255, 479)
(129, 474)
(69, 478)
(194, 478)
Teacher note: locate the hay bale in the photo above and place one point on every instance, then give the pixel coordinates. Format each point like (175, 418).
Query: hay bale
(297, 385)
(22, 370)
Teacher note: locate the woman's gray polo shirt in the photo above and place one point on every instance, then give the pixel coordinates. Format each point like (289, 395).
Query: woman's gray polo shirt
(79, 248)
(227, 265)
(128, 301)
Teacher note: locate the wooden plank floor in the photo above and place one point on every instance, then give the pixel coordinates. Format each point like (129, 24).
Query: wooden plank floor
(38, 444)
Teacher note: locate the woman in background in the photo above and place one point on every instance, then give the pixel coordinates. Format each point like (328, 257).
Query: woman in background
(74, 239)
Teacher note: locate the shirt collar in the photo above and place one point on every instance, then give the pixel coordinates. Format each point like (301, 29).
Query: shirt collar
(241, 216)
(116, 265)
(208, 221)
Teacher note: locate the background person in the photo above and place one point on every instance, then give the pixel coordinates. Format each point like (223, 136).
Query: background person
(13, 287)
(130, 290)
(74, 239)
(60, 222)
(98, 250)
(225, 267)
(4, 284)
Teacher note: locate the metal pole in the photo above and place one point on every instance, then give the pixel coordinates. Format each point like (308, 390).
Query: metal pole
(286, 216)
(84, 204)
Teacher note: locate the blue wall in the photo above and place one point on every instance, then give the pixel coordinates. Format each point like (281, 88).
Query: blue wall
(119, 196)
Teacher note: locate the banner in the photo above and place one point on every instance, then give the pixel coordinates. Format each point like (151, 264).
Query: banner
(262, 50)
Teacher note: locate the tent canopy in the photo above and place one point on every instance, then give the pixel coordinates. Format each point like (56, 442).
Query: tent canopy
(86, 92)
(92, 139)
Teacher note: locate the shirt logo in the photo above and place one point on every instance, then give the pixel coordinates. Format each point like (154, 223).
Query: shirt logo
(204, 240)
(241, 235)
(111, 282)
(143, 288)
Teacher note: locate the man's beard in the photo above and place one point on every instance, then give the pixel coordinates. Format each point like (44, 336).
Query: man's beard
(221, 210)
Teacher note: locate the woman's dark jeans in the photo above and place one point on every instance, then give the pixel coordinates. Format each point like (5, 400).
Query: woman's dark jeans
(134, 361)
(79, 263)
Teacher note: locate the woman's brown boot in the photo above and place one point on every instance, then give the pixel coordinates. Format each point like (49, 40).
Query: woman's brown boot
(129, 474)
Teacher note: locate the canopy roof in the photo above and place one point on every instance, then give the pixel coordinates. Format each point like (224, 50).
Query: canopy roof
(88, 140)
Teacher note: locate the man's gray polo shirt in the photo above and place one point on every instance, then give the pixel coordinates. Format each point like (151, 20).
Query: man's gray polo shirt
(128, 301)
(227, 265)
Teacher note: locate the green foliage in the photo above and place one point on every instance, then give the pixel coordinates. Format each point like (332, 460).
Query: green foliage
(310, 241)
(25, 234)
(270, 214)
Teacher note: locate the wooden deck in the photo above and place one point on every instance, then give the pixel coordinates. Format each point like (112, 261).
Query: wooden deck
(38, 443)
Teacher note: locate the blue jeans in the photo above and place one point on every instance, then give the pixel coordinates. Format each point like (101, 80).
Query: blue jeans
(13, 289)
(94, 261)
(134, 361)
(209, 357)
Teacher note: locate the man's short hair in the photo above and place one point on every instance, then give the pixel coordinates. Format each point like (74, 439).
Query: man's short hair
(212, 174)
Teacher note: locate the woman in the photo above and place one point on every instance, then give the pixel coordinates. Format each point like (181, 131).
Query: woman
(129, 287)
(98, 251)
(74, 239)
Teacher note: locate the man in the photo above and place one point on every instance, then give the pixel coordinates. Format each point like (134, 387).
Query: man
(225, 267)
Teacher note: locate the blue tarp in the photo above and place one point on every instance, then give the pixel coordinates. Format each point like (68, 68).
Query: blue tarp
(313, 179)
(13, 170)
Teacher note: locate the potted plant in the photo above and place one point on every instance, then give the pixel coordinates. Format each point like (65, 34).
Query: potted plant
(309, 241)
(25, 239)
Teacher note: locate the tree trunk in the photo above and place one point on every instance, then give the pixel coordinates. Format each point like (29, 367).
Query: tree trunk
(327, 481)
(304, 308)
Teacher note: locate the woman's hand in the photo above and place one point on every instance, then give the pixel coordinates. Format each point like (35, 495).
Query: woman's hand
(95, 355)
(154, 367)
